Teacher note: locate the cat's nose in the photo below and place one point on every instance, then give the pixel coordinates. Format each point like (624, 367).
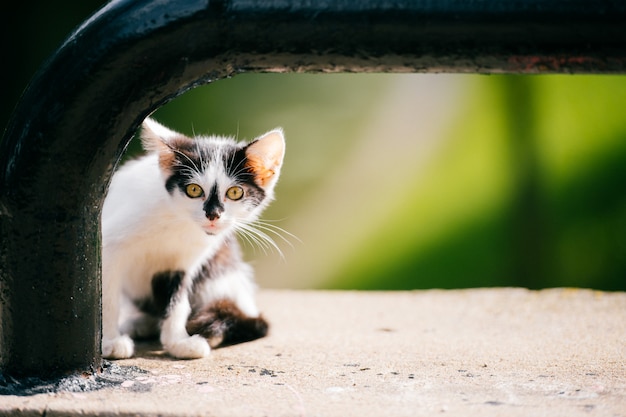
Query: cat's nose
(213, 215)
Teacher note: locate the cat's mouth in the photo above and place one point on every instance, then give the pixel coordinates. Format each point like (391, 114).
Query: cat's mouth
(212, 229)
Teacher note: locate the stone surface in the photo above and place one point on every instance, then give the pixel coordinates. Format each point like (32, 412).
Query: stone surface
(480, 352)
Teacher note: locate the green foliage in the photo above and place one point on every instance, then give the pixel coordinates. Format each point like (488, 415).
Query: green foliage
(576, 220)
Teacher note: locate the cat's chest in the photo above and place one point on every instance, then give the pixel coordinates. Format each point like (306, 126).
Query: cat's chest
(176, 246)
(171, 250)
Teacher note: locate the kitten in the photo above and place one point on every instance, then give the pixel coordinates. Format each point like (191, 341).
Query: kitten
(169, 247)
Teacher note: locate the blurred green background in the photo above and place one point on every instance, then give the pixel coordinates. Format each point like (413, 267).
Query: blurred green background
(412, 181)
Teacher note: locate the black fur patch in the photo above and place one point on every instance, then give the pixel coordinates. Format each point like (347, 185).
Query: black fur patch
(213, 207)
(187, 159)
(180, 178)
(165, 286)
(224, 324)
(237, 168)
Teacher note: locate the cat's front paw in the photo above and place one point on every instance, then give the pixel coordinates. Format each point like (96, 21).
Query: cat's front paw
(193, 347)
(121, 347)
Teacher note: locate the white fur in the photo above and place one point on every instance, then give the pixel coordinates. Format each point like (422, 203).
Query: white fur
(146, 230)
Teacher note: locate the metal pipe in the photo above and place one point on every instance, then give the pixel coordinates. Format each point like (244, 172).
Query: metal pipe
(80, 110)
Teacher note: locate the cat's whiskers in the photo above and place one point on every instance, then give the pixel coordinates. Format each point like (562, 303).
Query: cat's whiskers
(255, 234)
(276, 230)
(245, 235)
(255, 240)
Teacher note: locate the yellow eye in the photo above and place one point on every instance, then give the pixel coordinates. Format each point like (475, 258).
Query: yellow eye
(194, 191)
(234, 193)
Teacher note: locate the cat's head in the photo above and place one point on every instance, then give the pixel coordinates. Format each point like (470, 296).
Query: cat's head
(222, 184)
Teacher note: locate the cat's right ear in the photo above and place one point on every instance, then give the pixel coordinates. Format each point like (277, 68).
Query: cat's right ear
(155, 137)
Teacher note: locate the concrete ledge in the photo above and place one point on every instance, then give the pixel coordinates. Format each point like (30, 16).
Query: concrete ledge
(486, 352)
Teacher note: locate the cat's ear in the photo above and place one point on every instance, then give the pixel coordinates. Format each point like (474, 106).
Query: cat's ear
(265, 157)
(155, 137)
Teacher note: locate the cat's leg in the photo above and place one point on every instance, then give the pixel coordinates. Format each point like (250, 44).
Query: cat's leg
(138, 324)
(174, 337)
(143, 326)
(114, 344)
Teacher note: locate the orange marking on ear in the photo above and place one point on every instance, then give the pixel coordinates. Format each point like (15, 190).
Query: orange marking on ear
(262, 174)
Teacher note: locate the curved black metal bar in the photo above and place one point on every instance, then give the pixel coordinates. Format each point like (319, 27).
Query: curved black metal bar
(80, 110)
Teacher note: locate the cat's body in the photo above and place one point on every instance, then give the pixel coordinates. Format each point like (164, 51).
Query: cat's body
(169, 246)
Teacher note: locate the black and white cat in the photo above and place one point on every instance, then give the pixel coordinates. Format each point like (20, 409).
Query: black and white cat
(169, 248)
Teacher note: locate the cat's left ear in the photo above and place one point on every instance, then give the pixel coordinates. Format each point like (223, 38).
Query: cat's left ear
(265, 157)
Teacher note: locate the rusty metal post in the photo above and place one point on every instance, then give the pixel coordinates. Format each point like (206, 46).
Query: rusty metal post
(79, 112)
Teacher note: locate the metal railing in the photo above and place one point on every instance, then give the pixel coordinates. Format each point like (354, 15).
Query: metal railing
(81, 109)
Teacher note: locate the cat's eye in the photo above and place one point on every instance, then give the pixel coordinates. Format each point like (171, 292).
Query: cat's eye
(194, 191)
(234, 193)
